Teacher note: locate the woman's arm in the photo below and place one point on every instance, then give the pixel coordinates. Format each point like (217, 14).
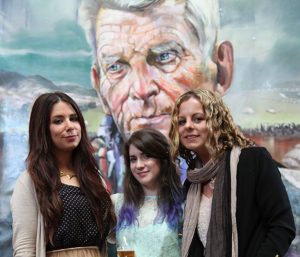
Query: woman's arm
(25, 217)
(275, 208)
(111, 239)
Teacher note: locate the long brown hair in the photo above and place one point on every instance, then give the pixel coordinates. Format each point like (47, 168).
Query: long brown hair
(43, 168)
(223, 134)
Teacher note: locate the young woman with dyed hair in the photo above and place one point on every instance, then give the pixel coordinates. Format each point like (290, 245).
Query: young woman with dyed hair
(149, 212)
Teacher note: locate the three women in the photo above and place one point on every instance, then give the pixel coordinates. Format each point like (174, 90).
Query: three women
(236, 203)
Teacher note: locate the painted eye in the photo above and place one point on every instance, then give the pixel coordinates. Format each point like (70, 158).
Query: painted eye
(114, 68)
(166, 57)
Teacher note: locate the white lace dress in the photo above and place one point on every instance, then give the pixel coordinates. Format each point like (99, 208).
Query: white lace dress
(147, 238)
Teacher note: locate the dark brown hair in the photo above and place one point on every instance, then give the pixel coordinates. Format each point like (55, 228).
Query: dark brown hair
(155, 145)
(43, 168)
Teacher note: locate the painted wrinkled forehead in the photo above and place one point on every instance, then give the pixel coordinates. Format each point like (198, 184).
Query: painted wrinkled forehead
(201, 17)
(112, 25)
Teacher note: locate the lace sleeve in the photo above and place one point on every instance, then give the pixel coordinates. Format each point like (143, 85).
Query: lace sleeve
(117, 200)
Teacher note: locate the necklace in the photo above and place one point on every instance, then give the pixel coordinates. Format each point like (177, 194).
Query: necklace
(212, 183)
(69, 176)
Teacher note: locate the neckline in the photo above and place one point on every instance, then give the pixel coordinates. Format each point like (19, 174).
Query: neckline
(148, 197)
(206, 198)
(63, 184)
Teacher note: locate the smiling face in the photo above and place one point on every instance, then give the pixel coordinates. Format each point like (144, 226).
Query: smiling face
(145, 169)
(147, 60)
(192, 127)
(65, 129)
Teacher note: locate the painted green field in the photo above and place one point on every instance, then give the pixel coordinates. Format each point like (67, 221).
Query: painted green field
(93, 117)
(250, 109)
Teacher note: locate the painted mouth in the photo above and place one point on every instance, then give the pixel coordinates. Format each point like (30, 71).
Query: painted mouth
(155, 121)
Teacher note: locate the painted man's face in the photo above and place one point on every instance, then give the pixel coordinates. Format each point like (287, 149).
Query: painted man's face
(147, 60)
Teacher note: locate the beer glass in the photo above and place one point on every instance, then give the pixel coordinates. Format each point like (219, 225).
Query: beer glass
(124, 250)
(125, 253)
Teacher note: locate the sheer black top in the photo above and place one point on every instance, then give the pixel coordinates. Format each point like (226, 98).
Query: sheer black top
(78, 225)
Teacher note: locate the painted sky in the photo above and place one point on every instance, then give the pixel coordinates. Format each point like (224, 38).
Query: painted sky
(265, 36)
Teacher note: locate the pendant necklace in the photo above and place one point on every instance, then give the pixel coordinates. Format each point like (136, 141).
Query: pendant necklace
(212, 183)
(69, 176)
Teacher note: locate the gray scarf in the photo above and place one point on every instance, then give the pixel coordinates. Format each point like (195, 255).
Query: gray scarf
(219, 240)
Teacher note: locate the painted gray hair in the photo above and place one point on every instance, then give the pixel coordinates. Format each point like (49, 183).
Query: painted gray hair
(203, 15)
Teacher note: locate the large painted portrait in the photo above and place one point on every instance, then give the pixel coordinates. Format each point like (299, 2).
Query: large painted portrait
(125, 63)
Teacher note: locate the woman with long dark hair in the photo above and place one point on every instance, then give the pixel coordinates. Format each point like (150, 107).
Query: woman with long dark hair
(149, 212)
(60, 206)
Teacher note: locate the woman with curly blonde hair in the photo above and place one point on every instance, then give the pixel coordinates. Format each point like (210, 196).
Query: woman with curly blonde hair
(236, 203)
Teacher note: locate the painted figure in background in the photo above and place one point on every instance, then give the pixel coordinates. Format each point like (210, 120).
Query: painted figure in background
(236, 202)
(149, 212)
(60, 206)
(147, 53)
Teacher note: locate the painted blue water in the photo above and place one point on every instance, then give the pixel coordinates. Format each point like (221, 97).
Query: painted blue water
(62, 55)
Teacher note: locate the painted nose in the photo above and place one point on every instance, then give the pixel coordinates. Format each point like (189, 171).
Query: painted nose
(143, 85)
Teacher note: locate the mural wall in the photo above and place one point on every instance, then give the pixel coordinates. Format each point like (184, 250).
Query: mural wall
(140, 69)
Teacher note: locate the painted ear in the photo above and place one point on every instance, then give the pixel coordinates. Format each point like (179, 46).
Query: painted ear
(95, 78)
(224, 57)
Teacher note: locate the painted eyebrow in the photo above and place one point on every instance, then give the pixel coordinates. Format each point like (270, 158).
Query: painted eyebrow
(152, 52)
(109, 59)
(171, 45)
(164, 47)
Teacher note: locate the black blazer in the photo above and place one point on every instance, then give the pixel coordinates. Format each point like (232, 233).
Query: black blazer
(265, 222)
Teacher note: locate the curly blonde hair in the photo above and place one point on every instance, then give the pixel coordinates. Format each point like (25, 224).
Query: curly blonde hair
(223, 134)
